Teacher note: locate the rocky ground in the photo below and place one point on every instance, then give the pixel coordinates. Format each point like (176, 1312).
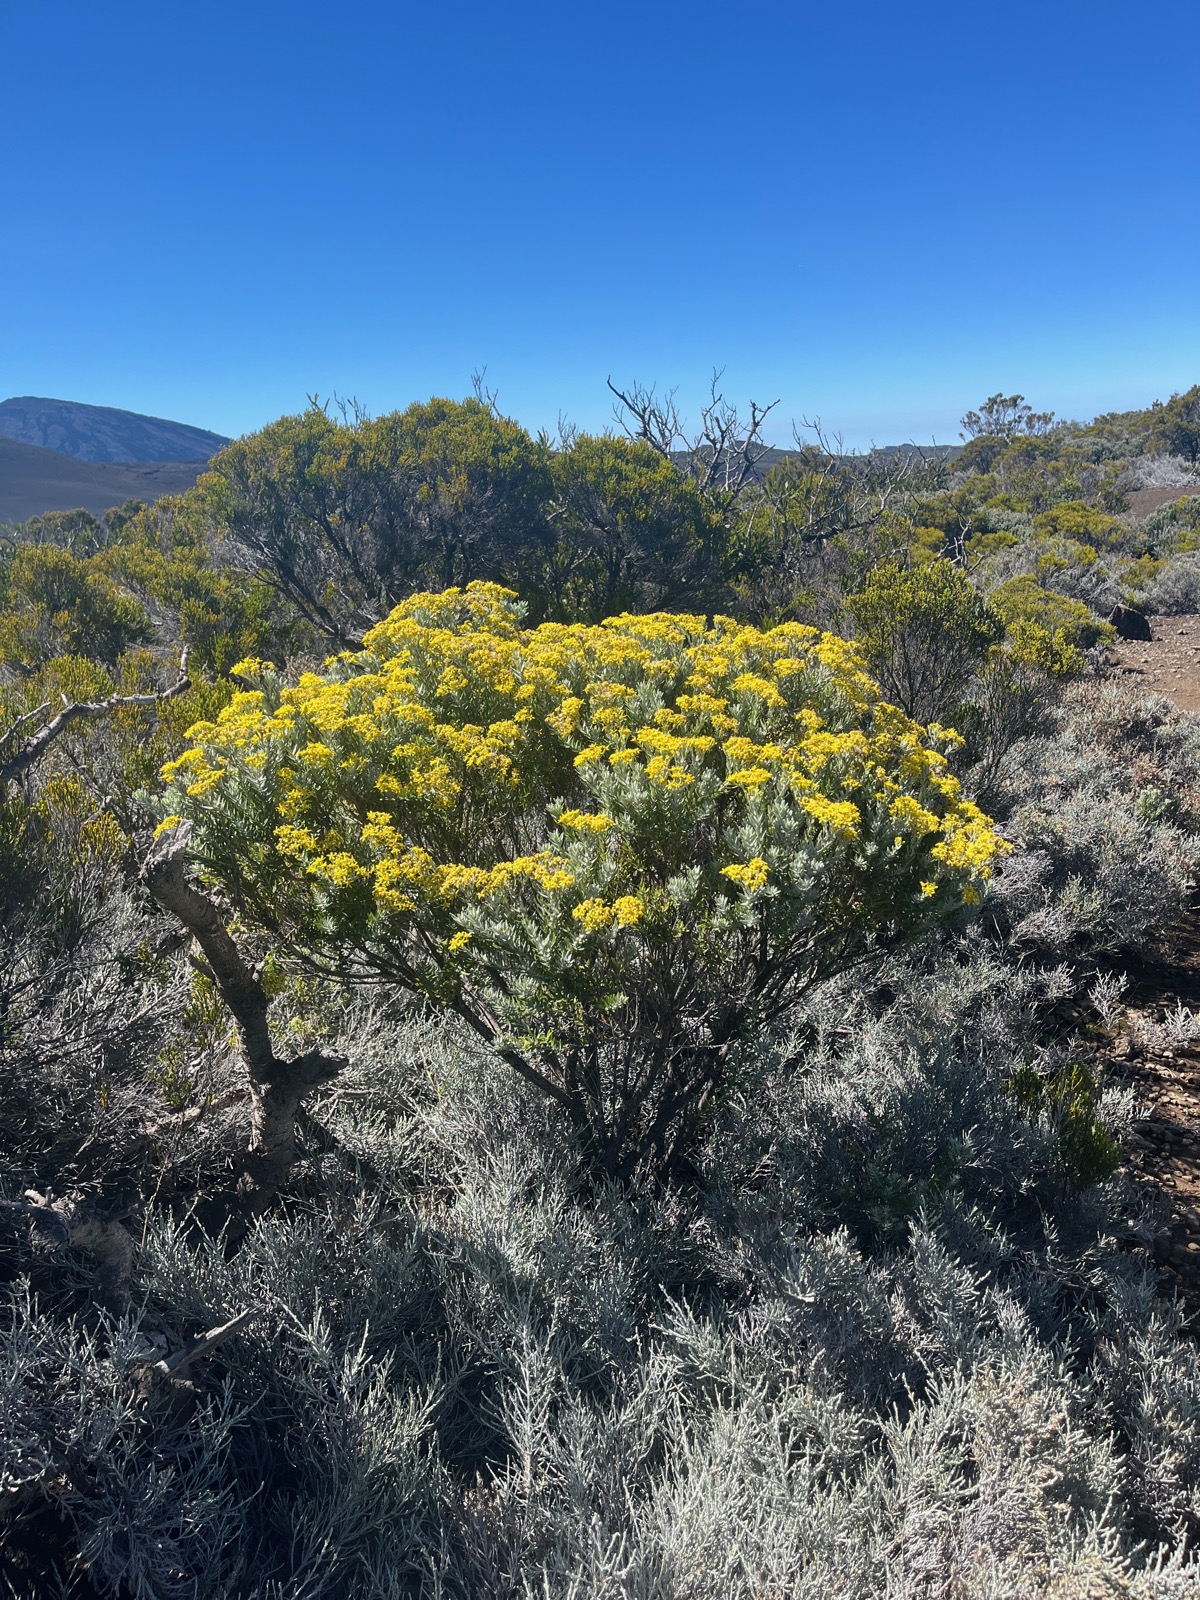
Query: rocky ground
(1168, 663)
(1164, 1150)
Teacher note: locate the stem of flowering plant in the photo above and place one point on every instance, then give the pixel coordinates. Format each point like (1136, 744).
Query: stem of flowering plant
(278, 1087)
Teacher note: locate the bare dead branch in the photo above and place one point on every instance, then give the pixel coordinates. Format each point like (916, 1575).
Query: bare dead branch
(722, 457)
(16, 766)
(206, 1342)
(730, 447)
(486, 397)
(159, 1384)
(655, 422)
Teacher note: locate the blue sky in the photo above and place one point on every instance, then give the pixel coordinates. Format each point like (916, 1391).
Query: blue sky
(877, 214)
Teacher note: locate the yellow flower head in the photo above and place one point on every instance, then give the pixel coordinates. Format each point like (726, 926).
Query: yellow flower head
(594, 914)
(751, 876)
(585, 821)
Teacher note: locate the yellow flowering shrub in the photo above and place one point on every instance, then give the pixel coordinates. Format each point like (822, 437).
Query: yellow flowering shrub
(614, 849)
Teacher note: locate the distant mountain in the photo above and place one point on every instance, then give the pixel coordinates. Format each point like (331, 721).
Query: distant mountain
(33, 480)
(103, 434)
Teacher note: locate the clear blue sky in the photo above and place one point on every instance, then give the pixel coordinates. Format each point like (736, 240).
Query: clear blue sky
(877, 213)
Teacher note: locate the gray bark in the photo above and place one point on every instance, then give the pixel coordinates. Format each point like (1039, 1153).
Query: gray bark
(278, 1086)
(18, 764)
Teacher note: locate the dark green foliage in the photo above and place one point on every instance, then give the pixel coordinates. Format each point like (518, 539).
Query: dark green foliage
(1175, 426)
(346, 518)
(924, 631)
(1067, 1097)
(1006, 417)
(631, 533)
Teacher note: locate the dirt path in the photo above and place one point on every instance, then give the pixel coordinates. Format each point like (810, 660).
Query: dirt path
(1163, 1155)
(1169, 663)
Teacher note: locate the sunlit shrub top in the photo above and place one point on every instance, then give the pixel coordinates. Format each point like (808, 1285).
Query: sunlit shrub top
(643, 770)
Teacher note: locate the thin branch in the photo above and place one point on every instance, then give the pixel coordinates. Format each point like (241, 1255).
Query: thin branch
(73, 711)
(206, 1342)
(486, 397)
(29, 716)
(657, 421)
(722, 457)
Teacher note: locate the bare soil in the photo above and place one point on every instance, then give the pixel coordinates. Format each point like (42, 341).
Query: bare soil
(1168, 663)
(1143, 501)
(34, 481)
(1163, 1154)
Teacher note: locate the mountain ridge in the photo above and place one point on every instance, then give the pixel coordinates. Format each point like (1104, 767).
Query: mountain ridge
(103, 435)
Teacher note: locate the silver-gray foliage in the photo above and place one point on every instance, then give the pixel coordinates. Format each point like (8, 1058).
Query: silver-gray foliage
(1101, 814)
(1174, 591)
(885, 1341)
(885, 1348)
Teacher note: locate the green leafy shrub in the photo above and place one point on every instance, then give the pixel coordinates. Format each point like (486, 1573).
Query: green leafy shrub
(1075, 519)
(924, 630)
(344, 518)
(1068, 1097)
(1175, 426)
(1046, 628)
(1175, 526)
(631, 532)
(55, 603)
(614, 850)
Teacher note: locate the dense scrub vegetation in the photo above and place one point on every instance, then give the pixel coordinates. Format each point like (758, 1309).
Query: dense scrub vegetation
(502, 932)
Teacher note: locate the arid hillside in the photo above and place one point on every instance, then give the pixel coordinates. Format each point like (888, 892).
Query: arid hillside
(34, 481)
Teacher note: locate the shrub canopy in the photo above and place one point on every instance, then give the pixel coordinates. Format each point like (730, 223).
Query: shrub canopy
(924, 630)
(614, 849)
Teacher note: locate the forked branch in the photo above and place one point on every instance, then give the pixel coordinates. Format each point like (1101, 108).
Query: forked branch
(31, 749)
(722, 457)
(278, 1087)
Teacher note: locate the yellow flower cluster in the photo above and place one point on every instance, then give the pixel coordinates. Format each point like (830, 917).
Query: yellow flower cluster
(752, 875)
(595, 914)
(585, 821)
(409, 771)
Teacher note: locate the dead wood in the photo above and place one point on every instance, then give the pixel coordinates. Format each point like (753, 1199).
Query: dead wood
(160, 1382)
(74, 1221)
(278, 1086)
(18, 764)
